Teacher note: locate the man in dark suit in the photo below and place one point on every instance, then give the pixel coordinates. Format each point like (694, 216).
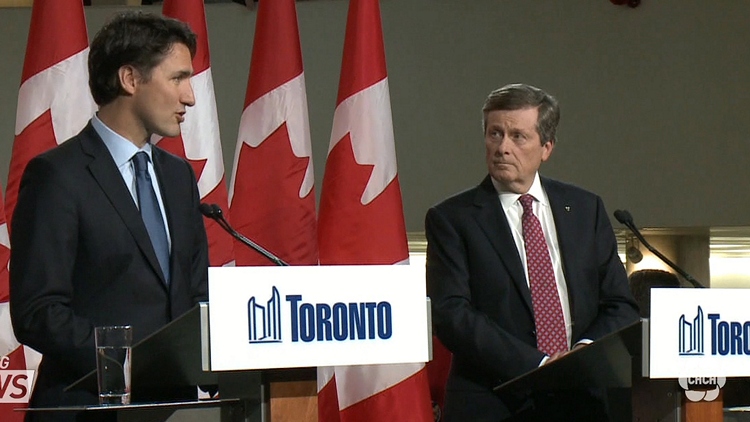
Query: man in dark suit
(85, 251)
(508, 297)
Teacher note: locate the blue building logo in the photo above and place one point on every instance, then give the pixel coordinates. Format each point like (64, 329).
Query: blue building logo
(264, 322)
(691, 335)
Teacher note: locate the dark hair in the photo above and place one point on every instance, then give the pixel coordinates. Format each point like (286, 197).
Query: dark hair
(521, 96)
(642, 281)
(138, 39)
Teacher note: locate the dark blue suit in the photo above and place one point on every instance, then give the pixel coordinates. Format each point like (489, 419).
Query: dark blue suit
(481, 301)
(81, 258)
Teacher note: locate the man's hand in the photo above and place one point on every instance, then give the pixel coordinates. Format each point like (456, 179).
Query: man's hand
(558, 355)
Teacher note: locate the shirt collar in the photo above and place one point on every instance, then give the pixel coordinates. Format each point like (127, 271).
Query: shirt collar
(507, 199)
(120, 148)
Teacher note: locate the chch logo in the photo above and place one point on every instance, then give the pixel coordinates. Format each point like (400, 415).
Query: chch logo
(702, 388)
(691, 335)
(264, 322)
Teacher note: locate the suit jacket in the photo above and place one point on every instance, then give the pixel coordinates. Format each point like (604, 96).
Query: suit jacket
(82, 258)
(481, 301)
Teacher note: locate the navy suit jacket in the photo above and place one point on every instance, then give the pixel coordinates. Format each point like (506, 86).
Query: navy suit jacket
(482, 307)
(81, 258)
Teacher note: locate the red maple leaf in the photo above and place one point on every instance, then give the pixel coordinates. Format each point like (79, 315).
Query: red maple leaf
(353, 233)
(176, 146)
(266, 206)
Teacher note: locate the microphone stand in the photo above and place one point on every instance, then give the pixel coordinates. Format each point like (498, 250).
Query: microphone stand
(214, 212)
(624, 217)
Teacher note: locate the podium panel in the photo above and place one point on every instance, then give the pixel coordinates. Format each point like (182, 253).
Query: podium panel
(286, 317)
(699, 333)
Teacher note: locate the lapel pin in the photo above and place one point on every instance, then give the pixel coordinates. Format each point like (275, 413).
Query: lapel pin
(567, 208)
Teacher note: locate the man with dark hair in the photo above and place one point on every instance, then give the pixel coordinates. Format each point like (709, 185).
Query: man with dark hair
(107, 229)
(641, 283)
(521, 269)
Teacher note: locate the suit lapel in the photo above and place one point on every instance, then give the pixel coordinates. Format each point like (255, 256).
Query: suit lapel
(168, 195)
(494, 223)
(564, 214)
(108, 177)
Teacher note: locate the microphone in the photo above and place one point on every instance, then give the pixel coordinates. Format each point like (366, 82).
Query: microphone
(624, 217)
(207, 210)
(214, 212)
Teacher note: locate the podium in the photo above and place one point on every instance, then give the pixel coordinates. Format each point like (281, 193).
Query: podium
(612, 364)
(694, 337)
(269, 324)
(604, 363)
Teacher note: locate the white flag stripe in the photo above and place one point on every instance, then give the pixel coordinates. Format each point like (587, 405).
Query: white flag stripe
(33, 358)
(286, 103)
(4, 238)
(58, 88)
(366, 115)
(8, 342)
(200, 132)
(352, 389)
(325, 373)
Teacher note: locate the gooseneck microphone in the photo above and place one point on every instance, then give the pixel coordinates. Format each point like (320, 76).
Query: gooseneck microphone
(624, 217)
(214, 212)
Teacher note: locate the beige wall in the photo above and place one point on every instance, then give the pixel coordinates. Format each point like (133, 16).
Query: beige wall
(15, 3)
(654, 99)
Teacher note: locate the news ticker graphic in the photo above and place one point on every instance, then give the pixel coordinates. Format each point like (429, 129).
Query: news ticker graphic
(15, 384)
(703, 333)
(284, 317)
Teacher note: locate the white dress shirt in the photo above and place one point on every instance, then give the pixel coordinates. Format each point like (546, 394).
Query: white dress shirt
(514, 213)
(122, 152)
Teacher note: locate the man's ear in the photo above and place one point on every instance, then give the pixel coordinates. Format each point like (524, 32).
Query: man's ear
(547, 149)
(128, 77)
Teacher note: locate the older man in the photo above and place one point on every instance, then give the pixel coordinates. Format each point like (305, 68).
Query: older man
(521, 268)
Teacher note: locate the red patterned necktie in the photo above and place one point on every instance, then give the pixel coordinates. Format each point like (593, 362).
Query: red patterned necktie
(548, 316)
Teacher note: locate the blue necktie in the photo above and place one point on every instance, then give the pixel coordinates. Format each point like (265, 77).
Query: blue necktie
(150, 211)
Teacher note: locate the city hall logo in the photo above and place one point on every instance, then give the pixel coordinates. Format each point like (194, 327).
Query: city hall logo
(264, 322)
(691, 335)
(317, 321)
(726, 337)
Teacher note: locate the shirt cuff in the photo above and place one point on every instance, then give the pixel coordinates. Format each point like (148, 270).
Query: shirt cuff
(583, 341)
(544, 360)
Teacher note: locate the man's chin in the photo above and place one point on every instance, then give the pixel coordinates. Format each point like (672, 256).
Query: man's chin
(506, 182)
(503, 178)
(169, 133)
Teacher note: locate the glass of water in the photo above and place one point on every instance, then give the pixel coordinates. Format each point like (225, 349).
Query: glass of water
(113, 350)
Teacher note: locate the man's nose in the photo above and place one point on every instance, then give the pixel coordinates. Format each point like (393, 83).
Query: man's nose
(188, 96)
(502, 145)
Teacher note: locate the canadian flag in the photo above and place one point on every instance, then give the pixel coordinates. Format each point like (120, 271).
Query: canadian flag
(362, 221)
(200, 142)
(271, 193)
(54, 104)
(14, 358)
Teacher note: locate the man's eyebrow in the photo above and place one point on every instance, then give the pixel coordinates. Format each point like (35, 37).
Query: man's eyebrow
(184, 73)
